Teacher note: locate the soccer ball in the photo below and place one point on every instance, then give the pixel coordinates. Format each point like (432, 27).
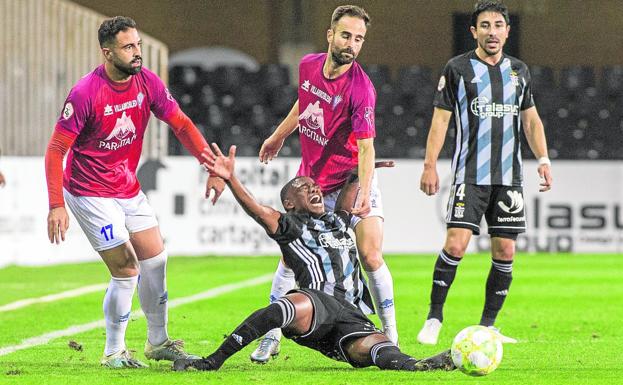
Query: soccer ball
(476, 350)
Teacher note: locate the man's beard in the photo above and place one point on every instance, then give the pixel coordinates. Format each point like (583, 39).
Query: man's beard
(128, 69)
(340, 60)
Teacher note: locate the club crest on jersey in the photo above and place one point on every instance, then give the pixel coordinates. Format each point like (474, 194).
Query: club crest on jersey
(514, 79)
(336, 100)
(459, 210)
(122, 135)
(139, 98)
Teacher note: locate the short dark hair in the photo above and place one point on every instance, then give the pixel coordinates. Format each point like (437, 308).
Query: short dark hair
(352, 11)
(489, 6)
(286, 189)
(111, 27)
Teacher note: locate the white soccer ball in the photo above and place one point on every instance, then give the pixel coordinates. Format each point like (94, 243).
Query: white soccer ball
(477, 350)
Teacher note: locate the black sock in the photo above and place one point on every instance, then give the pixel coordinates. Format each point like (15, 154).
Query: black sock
(498, 283)
(388, 356)
(278, 314)
(443, 276)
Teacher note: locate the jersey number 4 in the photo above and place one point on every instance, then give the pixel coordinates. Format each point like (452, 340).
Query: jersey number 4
(108, 235)
(460, 192)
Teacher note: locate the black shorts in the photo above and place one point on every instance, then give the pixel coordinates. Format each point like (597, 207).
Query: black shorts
(334, 324)
(502, 206)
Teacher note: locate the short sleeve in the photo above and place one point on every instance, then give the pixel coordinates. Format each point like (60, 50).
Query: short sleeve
(163, 105)
(287, 230)
(528, 99)
(445, 96)
(363, 102)
(75, 113)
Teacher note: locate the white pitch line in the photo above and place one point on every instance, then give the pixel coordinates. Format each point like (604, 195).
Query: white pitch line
(54, 297)
(76, 329)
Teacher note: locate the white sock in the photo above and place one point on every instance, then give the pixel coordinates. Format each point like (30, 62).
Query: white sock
(283, 282)
(117, 306)
(382, 290)
(152, 291)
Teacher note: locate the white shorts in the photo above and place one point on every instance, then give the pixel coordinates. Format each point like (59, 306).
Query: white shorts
(108, 222)
(376, 202)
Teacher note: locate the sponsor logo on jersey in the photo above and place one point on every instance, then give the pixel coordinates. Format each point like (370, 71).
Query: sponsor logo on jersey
(442, 83)
(516, 204)
(369, 116)
(329, 240)
(123, 134)
(313, 118)
(108, 110)
(125, 106)
(68, 111)
(481, 107)
(321, 94)
(305, 85)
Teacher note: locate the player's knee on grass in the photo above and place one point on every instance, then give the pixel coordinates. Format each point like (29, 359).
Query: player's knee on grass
(304, 314)
(457, 240)
(502, 248)
(121, 261)
(358, 349)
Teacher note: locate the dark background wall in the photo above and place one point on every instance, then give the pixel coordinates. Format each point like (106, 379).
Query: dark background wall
(555, 33)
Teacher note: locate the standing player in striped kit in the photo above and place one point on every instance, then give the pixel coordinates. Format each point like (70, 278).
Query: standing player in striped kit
(489, 94)
(334, 115)
(102, 126)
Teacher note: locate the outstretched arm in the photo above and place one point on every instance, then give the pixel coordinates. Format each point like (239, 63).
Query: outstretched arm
(223, 167)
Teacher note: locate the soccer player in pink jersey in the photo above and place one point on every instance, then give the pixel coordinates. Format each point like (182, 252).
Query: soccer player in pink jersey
(334, 114)
(102, 125)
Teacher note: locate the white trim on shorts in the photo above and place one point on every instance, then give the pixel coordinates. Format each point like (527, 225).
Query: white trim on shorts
(108, 222)
(376, 202)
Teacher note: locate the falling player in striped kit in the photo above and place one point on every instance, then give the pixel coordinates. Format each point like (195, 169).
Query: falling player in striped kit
(488, 93)
(320, 314)
(334, 115)
(102, 125)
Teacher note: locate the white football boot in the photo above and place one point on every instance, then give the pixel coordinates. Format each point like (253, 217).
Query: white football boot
(430, 332)
(269, 346)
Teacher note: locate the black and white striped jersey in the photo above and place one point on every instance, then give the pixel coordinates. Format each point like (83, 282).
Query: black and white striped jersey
(486, 102)
(323, 256)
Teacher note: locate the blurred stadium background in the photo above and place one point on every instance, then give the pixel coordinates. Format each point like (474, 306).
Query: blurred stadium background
(232, 67)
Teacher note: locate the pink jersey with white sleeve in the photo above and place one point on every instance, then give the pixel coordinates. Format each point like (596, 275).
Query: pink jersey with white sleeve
(108, 120)
(333, 114)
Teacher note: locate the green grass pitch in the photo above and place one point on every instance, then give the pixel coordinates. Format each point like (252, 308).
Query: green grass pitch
(566, 310)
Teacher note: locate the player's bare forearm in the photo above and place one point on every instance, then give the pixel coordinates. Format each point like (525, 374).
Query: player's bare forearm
(367, 156)
(436, 136)
(535, 132)
(289, 124)
(348, 195)
(264, 215)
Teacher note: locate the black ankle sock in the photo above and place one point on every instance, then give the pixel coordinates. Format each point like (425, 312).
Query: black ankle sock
(388, 356)
(278, 314)
(443, 276)
(498, 283)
